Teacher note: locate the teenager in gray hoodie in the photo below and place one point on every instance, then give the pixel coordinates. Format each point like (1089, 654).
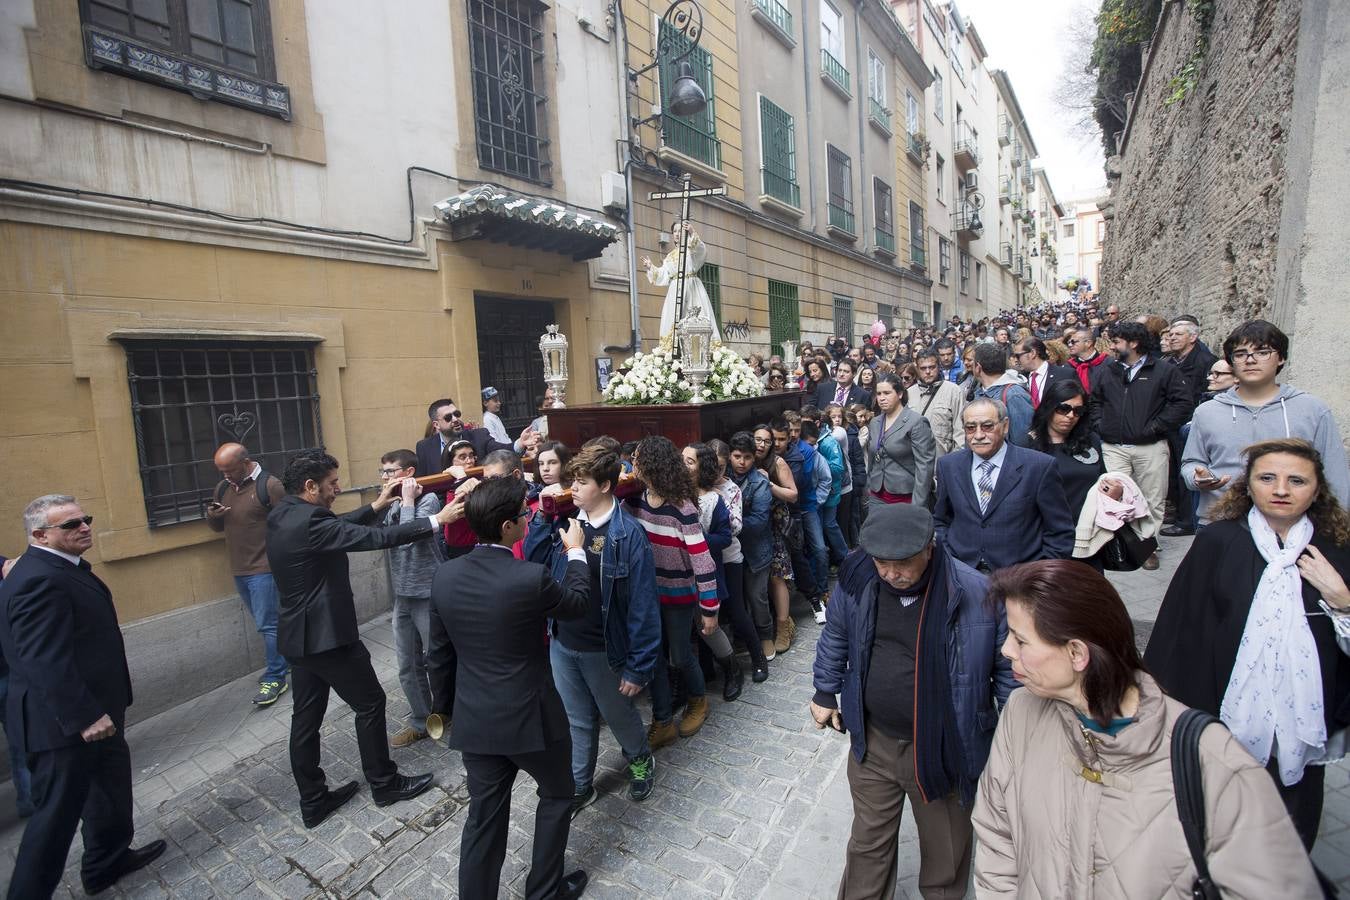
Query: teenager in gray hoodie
(1257, 409)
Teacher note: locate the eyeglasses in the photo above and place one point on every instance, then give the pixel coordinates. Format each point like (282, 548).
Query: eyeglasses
(71, 524)
(1218, 374)
(972, 427)
(760, 440)
(523, 514)
(1068, 409)
(451, 416)
(393, 471)
(1262, 354)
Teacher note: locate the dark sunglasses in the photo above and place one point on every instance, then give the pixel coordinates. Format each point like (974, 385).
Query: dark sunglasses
(72, 524)
(454, 415)
(1067, 409)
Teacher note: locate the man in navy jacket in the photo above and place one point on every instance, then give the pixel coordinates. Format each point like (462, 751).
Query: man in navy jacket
(999, 504)
(69, 691)
(911, 651)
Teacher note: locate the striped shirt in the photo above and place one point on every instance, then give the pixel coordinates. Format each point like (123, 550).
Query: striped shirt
(685, 572)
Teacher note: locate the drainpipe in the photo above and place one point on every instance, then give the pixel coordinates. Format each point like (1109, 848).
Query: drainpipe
(861, 223)
(626, 136)
(812, 62)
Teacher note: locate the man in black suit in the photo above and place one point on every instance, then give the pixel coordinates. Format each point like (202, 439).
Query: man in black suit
(433, 452)
(1033, 360)
(69, 691)
(489, 618)
(843, 391)
(307, 548)
(999, 504)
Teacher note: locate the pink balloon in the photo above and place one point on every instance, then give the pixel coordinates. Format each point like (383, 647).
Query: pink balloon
(878, 329)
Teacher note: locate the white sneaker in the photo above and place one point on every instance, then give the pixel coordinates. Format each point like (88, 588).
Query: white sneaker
(820, 616)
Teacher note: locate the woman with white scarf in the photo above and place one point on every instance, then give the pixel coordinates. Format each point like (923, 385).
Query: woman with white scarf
(1255, 627)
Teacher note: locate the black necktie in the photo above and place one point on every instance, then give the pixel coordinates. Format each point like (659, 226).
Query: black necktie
(445, 457)
(84, 564)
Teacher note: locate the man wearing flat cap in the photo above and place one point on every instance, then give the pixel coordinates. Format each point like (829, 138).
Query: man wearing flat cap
(909, 666)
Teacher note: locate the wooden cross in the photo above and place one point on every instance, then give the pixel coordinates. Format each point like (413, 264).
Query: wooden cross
(685, 194)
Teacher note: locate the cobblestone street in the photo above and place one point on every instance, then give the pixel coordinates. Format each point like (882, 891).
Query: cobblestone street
(755, 805)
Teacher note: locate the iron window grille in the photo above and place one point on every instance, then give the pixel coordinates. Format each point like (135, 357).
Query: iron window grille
(778, 154)
(965, 272)
(944, 259)
(840, 172)
(711, 276)
(784, 314)
(189, 398)
(695, 136)
(916, 234)
(843, 317)
(506, 42)
(881, 203)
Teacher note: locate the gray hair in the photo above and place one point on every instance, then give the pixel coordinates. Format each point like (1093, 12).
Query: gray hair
(1188, 327)
(999, 407)
(35, 513)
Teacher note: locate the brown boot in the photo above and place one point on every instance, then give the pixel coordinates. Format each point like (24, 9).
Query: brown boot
(661, 734)
(695, 714)
(787, 630)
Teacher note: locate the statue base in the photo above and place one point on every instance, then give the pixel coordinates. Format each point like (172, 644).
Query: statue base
(683, 423)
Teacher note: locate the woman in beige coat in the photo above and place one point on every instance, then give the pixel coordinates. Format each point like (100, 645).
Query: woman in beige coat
(1077, 799)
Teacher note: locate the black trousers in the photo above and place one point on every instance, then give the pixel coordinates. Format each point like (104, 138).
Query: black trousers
(89, 783)
(482, 848)
(1303, 800)
(737, 611)
(348, 671)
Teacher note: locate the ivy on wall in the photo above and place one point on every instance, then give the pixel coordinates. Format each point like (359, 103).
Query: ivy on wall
(1186, 78)
(1123, 27)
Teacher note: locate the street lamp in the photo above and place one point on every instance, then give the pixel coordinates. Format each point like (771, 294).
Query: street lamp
(679, 32)
(553, 347)
(695, 333)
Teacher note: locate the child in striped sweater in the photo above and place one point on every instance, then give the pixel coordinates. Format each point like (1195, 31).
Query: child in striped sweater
(686, 582)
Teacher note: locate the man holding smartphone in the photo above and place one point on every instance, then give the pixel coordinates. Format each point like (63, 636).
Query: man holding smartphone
(239, 508)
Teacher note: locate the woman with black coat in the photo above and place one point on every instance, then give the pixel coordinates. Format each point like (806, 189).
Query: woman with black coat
(1260, 596)
(1059, 427)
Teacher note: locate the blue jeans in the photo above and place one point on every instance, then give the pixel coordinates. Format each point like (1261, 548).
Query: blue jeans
(677, 632)
(18, 766)
(412, 637)
(589, 690)
(259, 593)
(834, 535)
(813, 540)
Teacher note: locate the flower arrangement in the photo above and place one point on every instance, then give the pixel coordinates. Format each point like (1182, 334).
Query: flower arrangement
(659, 377)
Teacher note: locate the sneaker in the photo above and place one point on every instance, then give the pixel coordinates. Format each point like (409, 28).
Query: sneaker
(583, 799)
(659, 734)
(641, 777)
(770, 649)
(269, 692)
(406, 738)
(820, 607)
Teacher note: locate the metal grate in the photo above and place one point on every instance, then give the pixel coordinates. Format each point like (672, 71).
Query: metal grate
(696, 135)
(506, 42)
(916, 234)
(881, 203)
(711, 276)
(784, 315)
(778, 152)
(840, 172)
(834, 70)
(843, 317)
(188, 399)
(965, 271)
(778, 14)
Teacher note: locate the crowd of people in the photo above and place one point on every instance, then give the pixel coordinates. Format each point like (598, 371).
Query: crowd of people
(944, 500)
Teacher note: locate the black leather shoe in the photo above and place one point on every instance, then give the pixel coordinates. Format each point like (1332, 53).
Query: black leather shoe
(132, 859)
(1176, 531)
(330, 805)
(733, 679)
(405, 787)
(573, 885)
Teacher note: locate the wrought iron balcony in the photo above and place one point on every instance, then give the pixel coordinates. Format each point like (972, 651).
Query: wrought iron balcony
(777, 17)
(781, 188)
(968, 224)
(885, 241)
(834, 73)
(1004, 130)
(966, 150)
(879, 115)
(683, 137)
(918, 256)
(1005, 189)
(841, 219)
(1028, 179)
(1005, 255)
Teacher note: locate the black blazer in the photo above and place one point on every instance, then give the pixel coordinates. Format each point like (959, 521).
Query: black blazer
(489, 617)
(307, 549)
(1053, 374)
(1027, 518)
(825, 395)
(68, 665)
(429, 449)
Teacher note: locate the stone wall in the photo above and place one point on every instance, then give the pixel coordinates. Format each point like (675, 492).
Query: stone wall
(1196, 209)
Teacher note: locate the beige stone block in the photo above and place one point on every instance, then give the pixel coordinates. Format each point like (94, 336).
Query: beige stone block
(35, 325)
(40, 400)
(257, 277)
(374, 383)
(388, 288)
(52, 467)
(108, 265)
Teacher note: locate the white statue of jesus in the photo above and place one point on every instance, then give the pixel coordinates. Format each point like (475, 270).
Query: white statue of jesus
(695, 294)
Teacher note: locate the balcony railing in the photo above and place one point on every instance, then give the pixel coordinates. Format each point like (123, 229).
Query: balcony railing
(782, 188)
(1027, 178)
(966, 149)
(1005, 255)
(834, 72)
(682, 137)
(777, 15)
(1004, 130)
(885, 240)
(1005, 189)
(914, 147)
(918, 256)
(841, 218)
(878, 114)
(968, 223)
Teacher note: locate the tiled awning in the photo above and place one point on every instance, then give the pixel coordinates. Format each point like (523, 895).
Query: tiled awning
(493, 213)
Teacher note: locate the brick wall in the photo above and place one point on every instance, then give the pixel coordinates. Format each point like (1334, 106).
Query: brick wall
(1196, 207)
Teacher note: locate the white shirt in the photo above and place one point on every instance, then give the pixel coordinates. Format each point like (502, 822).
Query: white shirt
(493, 423)
(976, 462)
(1131, 371)
(68, 557)
(253, 474)
(1038, 377)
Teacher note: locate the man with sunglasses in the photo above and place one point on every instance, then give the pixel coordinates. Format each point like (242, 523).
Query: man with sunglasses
(68, 696)
(1257, 408)
(447, 421)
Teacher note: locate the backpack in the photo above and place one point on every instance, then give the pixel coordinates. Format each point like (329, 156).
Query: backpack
(264, 498)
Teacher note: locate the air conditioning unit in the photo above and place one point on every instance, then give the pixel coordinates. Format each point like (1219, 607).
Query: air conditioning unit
(613, 192)
(972, 182)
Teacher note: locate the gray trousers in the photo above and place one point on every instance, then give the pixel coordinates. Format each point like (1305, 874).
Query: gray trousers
(412, 636)
(757, 599)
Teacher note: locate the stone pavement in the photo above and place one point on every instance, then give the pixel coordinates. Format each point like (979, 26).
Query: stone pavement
(755, 805)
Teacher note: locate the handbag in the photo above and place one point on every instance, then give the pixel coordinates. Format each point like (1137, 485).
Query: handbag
(1126, 551)
(1190, 795)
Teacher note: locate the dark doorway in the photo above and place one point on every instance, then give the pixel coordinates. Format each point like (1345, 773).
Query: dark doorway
(508, 356)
